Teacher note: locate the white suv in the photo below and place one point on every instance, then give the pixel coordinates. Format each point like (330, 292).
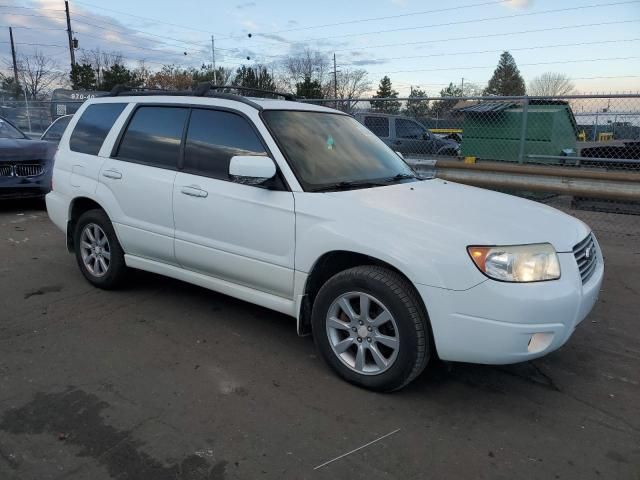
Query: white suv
(302, 210)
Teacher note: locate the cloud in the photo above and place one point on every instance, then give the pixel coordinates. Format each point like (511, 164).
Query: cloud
(399, 3)
(242, 6)
(369, 61)
(519, 4)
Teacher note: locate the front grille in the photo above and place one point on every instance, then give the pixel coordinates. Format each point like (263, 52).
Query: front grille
(585, 253)
(28, 170)
(6, 170)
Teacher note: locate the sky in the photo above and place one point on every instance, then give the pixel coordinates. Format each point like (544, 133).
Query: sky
(424, 44)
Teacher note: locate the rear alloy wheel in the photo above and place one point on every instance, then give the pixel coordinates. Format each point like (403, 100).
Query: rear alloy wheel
(371, 328)
(98, 252)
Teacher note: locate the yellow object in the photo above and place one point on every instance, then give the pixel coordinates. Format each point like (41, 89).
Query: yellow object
(582, 136)
(469, 159)
(605, 136)
(445, 130)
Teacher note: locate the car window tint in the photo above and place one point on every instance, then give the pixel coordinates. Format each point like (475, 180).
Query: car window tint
(213, 138)
(93, 127)
(378, 125)
(56, 129)
(153, 136)
(408, 129)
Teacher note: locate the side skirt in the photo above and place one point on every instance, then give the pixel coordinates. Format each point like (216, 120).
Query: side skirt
(267, 300)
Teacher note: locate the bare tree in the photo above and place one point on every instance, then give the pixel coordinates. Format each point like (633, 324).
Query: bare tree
(551, 84)
(307, 64)
(38, 73)
(351, 84)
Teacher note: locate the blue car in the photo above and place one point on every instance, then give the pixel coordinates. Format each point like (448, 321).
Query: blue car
(25, 164)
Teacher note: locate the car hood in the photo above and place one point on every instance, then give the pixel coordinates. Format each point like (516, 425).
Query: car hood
(465, 215)
(17, 150)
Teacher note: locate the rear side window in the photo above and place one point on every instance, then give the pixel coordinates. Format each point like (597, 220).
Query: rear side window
(213, 138)
(153, 136)
(93, 127)
(378, 125)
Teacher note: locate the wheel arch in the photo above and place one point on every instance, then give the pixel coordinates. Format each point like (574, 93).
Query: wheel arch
(331, 263)
(77, 207)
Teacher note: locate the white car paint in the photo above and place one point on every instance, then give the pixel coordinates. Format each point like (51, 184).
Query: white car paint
(260, 245)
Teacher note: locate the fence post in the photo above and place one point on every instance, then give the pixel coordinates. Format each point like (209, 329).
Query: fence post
(523, 131)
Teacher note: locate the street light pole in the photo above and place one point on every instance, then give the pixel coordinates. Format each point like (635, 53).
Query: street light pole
(213, 59)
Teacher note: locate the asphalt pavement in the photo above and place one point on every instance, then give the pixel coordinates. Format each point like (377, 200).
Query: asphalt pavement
(164, 380)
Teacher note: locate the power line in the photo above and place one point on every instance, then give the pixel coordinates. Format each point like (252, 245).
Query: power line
(36, 44)
(490, 35)
(462, 22)
(143, 18)
(535, 47)
(33, 28)
(522, 65)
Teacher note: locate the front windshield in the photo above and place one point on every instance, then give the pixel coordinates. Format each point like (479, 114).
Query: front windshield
(9, 131)
(326, 149)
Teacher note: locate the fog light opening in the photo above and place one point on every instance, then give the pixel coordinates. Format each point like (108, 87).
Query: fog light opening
(539, 342)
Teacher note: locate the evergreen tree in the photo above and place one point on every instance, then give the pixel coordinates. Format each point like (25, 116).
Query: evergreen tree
(506, 79)
(83, 77)
(417, 108)
(385, 90)
(309, 89)
(9, 87)
(118, 74)
(254, 77)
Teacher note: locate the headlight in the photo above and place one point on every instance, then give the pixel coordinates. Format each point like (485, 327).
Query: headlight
(517, 263)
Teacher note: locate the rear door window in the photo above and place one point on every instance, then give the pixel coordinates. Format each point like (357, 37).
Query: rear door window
(213, 137)
(378, 125)
(153, 136)
(94, 126)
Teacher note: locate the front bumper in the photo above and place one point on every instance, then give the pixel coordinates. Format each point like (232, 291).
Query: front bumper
(25, 187)
(499, 323)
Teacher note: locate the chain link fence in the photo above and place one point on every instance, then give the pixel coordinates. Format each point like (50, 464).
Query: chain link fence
(579, 153)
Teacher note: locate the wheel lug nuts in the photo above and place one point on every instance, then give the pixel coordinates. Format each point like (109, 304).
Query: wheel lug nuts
(361, 322)
(354, 329)
(359, 339)
(369, 339)
(369, 328)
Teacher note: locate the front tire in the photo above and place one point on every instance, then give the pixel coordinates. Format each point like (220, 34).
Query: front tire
(97, 250)
(371, 328)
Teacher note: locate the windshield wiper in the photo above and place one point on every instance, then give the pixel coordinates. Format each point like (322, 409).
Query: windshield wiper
(347, 186)
(398, 177)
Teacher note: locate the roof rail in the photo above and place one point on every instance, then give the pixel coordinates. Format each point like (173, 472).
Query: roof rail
(202, 90)
(286, 96)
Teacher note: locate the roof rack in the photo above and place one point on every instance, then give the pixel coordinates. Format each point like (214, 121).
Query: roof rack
(204, 89)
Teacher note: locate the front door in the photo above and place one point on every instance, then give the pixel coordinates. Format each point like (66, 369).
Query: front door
(240, 233)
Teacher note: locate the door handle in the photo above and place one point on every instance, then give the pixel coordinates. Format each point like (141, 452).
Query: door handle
(194, 191)
(112, 174)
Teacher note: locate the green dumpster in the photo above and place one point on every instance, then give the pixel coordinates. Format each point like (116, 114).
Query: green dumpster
(493, 130)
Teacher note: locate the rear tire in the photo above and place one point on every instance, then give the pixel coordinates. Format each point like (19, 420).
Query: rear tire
(97, 250)
(370, 327)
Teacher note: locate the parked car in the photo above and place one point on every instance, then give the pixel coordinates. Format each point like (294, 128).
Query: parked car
(407, 136)
(301, 209)
(54, 132)
(25, 164)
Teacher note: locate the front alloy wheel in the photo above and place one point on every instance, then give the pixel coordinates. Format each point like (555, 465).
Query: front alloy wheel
(370, 326)
(362, 333)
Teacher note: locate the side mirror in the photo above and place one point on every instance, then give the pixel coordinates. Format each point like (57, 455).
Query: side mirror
(400, 155)
(251, 169)
(426, 136)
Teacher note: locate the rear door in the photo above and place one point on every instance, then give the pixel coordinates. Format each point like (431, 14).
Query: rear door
(235, 232)
(138, 180)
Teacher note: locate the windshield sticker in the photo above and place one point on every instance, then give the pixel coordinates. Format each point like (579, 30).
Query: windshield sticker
(330, 142)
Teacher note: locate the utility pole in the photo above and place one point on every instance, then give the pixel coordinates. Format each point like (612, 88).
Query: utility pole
(462, 87)
(72, 54)
(335, 78)
(13, 54)
(213, 59)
